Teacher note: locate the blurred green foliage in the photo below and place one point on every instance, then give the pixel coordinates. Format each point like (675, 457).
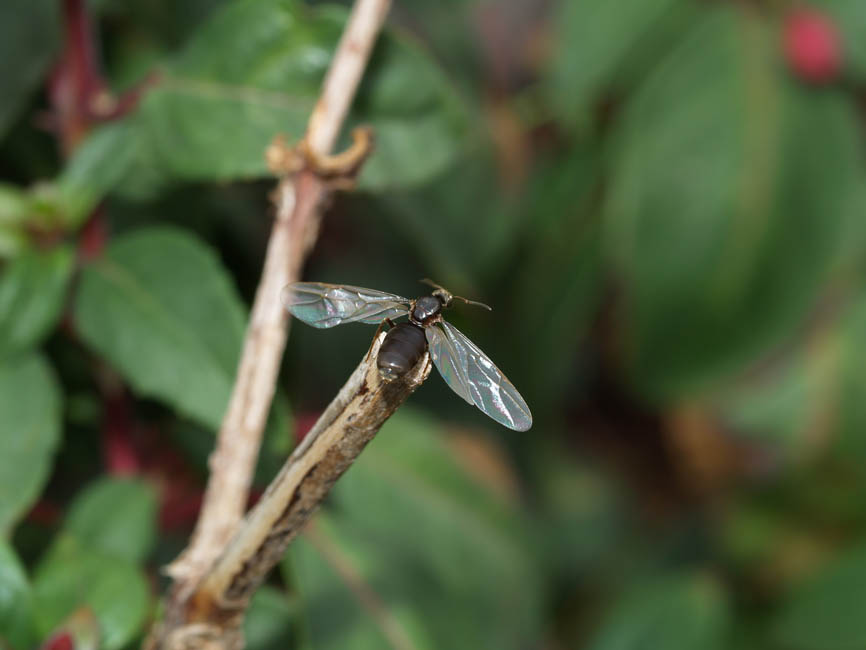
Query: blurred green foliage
(30, 413)
(404, 523)
(29, 35)
(156, 322)
(666, 213)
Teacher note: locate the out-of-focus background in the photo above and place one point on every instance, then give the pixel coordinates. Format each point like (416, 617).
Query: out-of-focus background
(663, 200)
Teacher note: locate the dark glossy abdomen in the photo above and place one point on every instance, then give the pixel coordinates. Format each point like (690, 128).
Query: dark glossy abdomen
(402, 348)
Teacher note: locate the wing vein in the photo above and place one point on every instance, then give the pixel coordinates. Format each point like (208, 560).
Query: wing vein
(326, 305)
(471, 374)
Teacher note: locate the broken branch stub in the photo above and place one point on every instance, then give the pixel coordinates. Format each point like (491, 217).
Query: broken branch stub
(328, 450)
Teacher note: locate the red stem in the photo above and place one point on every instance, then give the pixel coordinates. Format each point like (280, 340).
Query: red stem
(80, 47)
(121, 456)
(77, 80)
(93, 236)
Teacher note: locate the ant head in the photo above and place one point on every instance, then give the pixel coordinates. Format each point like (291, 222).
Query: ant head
(446, 297)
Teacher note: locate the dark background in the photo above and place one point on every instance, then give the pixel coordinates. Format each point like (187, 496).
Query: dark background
(663, 201)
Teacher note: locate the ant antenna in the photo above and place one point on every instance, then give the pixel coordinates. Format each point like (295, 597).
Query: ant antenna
(447, 296)
(430, 283)
(474, 302)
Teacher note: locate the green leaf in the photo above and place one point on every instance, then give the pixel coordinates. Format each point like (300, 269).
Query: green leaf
(413, 539)
(450, 29)
(419, 122)
(30, 421)
(456, 250)
(29, 34)
(825, 613)
(847, 350)
(16, 602)
(12, 241)
(268, 621)
(156, 22)
(808, 404)
(811, 393)
(14, 205)
(32, 294)
(676, 613)
(162, 309)
(116, 517)
(598, 42)
(110, 528)
(97, 166)
(564, 249)
(277, 442)
(16, 209)
(729, 205)
(583, 514)
(73, 576)
(254, 70)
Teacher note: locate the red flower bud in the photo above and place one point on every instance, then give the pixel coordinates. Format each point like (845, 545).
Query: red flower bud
(60, 641)
(813, 46)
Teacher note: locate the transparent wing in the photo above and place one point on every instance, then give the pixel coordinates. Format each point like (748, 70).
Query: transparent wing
(326, 305)
(473, 376)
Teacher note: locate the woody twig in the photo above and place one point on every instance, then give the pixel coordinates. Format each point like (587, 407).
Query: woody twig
(299, 198)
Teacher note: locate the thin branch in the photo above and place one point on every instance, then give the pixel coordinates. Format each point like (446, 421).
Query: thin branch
(345, 74)
(299, 200)
(213, 614)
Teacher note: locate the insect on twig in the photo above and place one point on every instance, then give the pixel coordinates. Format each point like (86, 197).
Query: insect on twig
(465, 368)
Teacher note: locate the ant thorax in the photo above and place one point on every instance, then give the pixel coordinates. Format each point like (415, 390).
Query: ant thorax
(426, 309)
